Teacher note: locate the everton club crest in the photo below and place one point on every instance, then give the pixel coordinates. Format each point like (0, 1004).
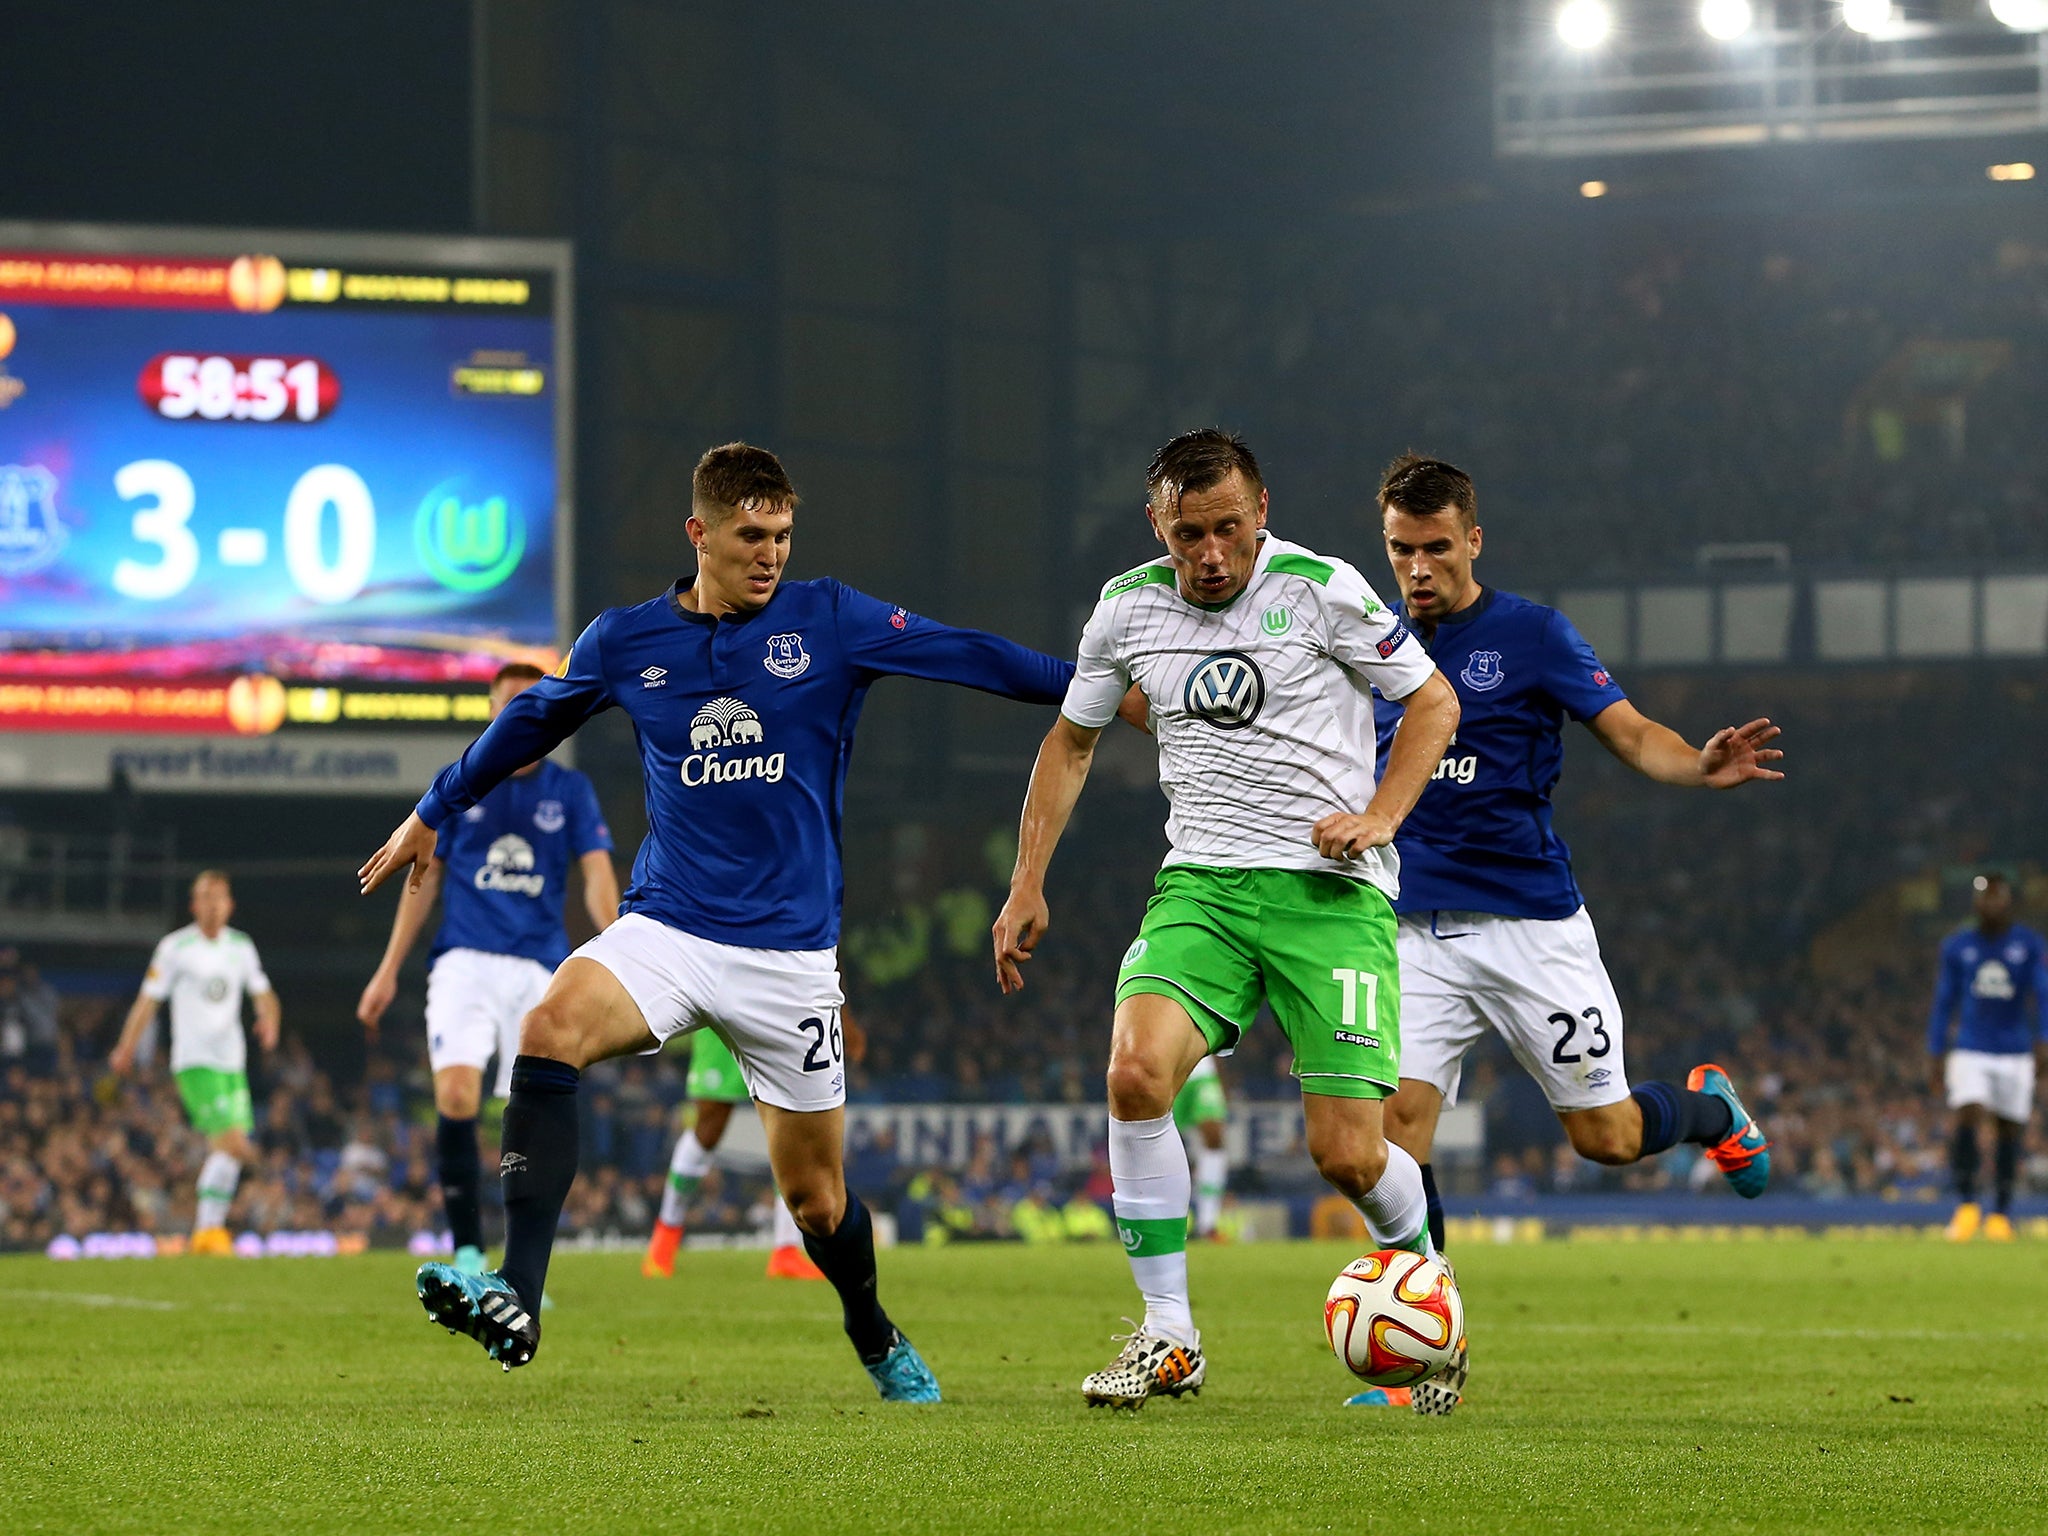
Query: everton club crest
(787, 656)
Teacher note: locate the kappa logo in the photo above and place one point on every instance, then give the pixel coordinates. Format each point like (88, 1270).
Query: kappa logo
(1483, 672)
(654, 677)
(724, 723)
(508, 867)
(550, 816)
(32, 536)
(1227, 690)
(787, 656)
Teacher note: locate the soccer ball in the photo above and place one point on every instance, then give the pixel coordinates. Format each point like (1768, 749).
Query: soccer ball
(1394, 1317)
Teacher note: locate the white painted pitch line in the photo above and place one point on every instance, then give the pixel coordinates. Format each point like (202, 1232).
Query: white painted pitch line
(94, 1299)
(1755, 1331)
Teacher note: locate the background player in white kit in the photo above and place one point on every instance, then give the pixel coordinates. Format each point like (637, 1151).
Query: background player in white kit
(1256, 656)
(501, 938)
(204, 969)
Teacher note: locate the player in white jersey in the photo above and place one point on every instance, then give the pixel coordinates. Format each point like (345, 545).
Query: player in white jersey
(204, 969)
(1258, 658)
(1202, 1113)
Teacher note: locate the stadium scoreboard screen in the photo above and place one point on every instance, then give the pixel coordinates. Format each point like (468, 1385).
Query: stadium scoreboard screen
(288, 492)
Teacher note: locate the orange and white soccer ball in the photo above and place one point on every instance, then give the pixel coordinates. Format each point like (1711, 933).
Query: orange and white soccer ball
(1394, 1317)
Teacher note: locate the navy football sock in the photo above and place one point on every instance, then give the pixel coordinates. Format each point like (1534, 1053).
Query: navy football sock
(2006, 1165)
(1963, 1160)
(461, 1170)
(536, 1169)
(1436, 1207)
(1672, 1114)
(848, 1259)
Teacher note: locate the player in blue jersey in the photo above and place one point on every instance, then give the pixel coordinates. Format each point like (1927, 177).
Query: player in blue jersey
(1996, 973)
(501, 871)
(1493, 931)
(744, 691)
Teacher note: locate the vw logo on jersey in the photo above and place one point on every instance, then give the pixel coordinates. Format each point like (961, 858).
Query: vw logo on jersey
(216, 989)
(550, 816)
(787, 656)
(1483, 672)
(509, 867)
(1227, 690)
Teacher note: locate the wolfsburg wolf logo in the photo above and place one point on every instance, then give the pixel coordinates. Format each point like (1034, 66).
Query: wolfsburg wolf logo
(724, 723)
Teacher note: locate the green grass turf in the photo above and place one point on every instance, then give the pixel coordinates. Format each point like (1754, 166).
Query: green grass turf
(1853, 1385)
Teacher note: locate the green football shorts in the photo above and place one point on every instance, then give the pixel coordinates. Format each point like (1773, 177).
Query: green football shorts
(1318, 948)
(215, 1100)
(714, 1071)
(1200, 1099)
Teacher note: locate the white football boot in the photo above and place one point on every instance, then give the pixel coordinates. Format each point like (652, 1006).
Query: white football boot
(1151, 1365)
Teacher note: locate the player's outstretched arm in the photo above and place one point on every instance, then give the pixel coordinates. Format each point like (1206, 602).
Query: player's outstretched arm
(895, 642)
(1056, 780)
(1429, 718)
(1734, 755)
(141, 1014)
(414, 906)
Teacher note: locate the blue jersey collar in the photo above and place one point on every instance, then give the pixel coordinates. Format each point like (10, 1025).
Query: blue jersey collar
(1464, 615)
(690, 615)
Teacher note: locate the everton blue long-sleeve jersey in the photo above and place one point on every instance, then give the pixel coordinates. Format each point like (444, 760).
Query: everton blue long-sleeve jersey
(508, 859)
(1480, 838)
(745, 727)
(2000, 982)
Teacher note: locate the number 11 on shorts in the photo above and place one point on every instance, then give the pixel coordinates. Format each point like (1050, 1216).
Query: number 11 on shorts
(1351, 981)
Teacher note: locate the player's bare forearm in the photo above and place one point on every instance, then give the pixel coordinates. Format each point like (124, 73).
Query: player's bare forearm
(1056, 781)
(269, 1019)
(415, 904)
(1733, 755)
(410, 847)
(1429, 718)
(141, 1013)
(600, 889)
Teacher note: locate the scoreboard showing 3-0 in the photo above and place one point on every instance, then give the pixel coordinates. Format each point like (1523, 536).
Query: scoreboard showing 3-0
(257, 484)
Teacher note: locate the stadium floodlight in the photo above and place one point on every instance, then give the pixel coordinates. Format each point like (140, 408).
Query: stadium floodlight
(1584, 23)
(2022, 15)
(1592, 189)
(2017, 170)
(1726, 20)
(1866, 16)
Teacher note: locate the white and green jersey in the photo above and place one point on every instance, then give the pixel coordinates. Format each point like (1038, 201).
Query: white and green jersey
(1262, 706)
(205, 979)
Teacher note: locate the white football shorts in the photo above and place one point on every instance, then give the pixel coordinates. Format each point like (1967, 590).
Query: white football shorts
(777, 1008)
(1538, 982)
(2003, 1082)
(475, 1001)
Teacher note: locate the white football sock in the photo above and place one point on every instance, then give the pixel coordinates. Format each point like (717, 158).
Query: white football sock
(218, 1177)
(787, 1233)
(1212, 1173)
(687, 1166)
(1148, 1169)
(1396, 1210)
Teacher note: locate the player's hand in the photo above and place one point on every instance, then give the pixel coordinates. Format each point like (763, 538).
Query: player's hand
(121, 1058)
(266, 1033)
(1937, 1075)
(1346, 837)
(1136, 709)
(377, 997)
(413, 843)
(1738, 754)
(1019, 926)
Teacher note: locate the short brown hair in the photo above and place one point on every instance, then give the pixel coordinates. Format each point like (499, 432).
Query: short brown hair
(206, 875)
(518, 672)
(1198, 461)
(1424, 487)
(738, 477)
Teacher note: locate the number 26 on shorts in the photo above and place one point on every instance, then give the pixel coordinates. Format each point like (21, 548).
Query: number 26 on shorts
(823, 1038)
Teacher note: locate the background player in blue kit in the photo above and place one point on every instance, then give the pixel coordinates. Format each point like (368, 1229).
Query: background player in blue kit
(744, 692)
(1493, 930)
(501, 869)
(1995, 972)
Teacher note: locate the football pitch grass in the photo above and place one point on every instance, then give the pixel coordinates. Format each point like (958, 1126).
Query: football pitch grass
(1871, 1384)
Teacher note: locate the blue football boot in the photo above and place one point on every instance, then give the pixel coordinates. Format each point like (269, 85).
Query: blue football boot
(483, 1306)
(901, 1376)
(1744, 1154)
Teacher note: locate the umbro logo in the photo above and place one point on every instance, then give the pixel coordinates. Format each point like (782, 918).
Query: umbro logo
(654, 677)
(511, 1162)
